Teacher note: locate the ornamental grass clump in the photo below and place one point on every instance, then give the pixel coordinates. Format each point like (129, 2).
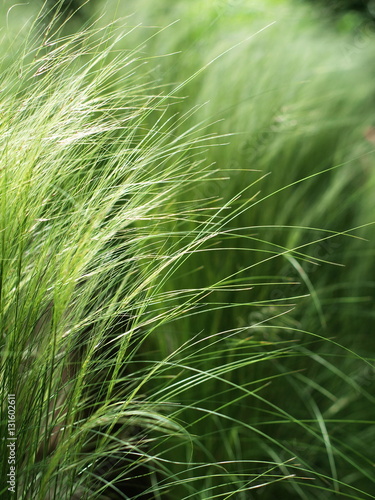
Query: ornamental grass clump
(95, 218)
(163, 333)
(86, 191)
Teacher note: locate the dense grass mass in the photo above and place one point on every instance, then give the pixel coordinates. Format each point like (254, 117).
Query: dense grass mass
(186, 286)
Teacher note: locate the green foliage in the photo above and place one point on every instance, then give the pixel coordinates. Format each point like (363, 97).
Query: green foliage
(186, 293)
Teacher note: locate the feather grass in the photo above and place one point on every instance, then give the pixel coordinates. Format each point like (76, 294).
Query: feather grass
(146, 365)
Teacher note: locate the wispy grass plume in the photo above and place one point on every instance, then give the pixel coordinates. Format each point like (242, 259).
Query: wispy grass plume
(177, 319)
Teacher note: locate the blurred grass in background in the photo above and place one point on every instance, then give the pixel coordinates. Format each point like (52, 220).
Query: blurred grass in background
(244, 268)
